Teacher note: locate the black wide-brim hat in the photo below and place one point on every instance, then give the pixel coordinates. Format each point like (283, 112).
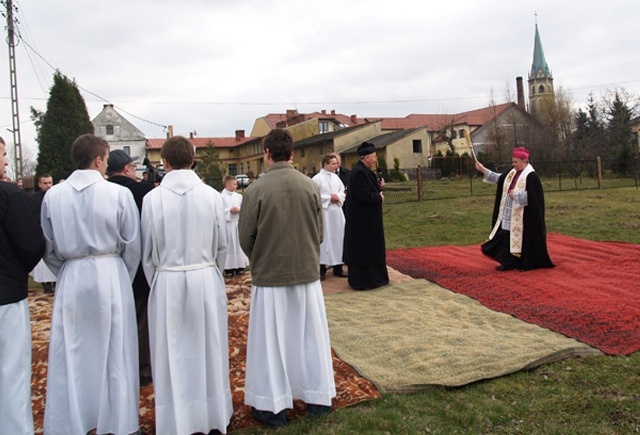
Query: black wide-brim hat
(366, 148)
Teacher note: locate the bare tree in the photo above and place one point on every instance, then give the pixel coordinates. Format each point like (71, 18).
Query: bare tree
(445, 130)
(497, 142)
(556, 117)
(28, 161)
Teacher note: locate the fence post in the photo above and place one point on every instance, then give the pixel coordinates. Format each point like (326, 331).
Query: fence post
(419, 179)
(599, 172)
(560, 180)
(471, 174)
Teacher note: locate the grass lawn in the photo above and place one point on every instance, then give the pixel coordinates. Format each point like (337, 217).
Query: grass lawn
(596, 395)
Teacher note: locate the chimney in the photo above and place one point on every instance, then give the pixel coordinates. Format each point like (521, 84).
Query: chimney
(104, 106)
(291, 113)
(169, 131)
(354, 119)
(520, 91)
(324, 111)
(333, 112)
(239, 134)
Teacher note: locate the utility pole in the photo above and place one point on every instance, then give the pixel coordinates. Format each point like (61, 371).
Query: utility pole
(14, 90)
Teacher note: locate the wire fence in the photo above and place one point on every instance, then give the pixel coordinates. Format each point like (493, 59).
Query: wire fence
(456, 177)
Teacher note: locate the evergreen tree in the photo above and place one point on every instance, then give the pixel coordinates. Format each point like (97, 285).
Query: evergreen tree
(619, 134)
(210, 167)
(65, 119)
(588, 139)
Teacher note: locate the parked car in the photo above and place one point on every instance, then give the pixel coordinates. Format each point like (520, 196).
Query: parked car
(243, 180)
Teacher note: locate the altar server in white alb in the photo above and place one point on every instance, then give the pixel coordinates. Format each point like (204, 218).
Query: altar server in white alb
(236, 259)
(183, 253)
(92, 233)
(288, 346)
(332, 193)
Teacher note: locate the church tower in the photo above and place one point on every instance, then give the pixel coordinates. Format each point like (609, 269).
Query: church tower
(540, 78)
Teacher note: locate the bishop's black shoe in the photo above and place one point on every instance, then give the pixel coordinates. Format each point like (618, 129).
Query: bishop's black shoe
(319, 410)
(337, 271)
(269, 418)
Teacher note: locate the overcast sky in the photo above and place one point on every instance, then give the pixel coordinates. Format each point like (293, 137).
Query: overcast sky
(214, 66)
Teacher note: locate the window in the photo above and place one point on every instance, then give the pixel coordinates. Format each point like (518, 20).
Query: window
(233, 169)
(417, 145)
(460, 133)
(109, 129)
(541, 89)
(127, 150)
(230, 150)
(323, 126)
(301, 152)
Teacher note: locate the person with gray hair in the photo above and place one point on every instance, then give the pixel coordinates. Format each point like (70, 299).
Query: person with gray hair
(364, 246)
(122, 170)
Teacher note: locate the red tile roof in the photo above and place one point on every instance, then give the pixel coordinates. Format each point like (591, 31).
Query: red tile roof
(433, 122)
(473, 118)
(203, 142)
(273, 119)
(477, 117)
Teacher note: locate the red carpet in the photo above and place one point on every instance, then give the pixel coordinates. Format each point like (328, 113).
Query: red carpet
(351, 388)
(592, 295)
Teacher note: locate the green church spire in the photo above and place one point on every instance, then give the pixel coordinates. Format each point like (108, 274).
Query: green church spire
(539, 62)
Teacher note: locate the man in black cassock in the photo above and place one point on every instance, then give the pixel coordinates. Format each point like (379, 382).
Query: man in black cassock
(364, 248)
(21, 247)
(122, 170)
(519, 236)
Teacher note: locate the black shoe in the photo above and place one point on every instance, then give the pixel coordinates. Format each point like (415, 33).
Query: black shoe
(323, 272)
(503, 268)
(48, 288)
(337, 271)
(239, 272)
(269, 418)
(319, 410)
(145, 380)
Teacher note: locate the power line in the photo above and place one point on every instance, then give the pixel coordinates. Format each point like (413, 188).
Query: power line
(88, 91)
(287, 103)
(37, 67)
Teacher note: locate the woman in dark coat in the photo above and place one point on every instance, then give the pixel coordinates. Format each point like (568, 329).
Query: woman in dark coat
(364, 248)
